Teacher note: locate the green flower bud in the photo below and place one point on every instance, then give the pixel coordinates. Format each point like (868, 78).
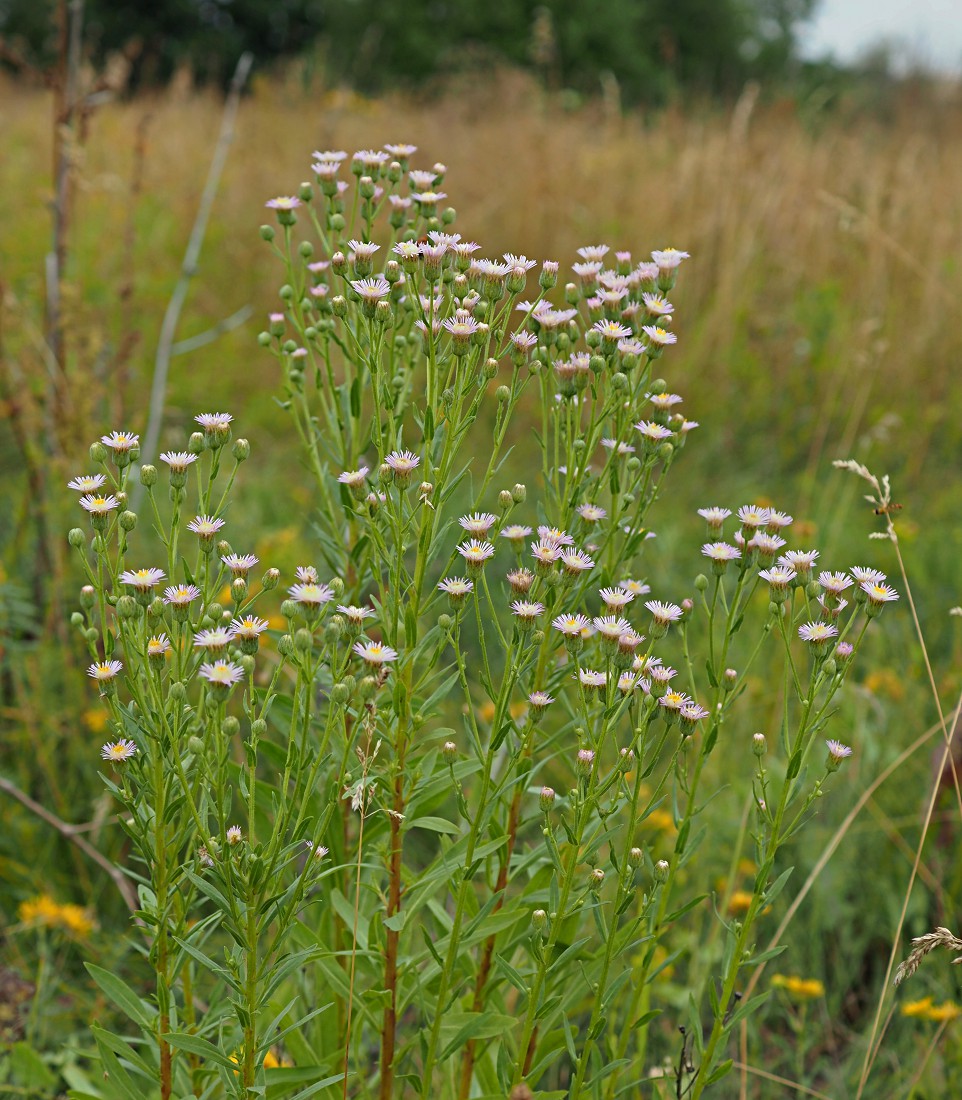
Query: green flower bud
(98, 453)
(304, 640)
(635, 857)
(285, 645)
(127, 608)
(77, 619)
(503, 394)
(88, 596)
(267, 232)
(490, 368)
(519, 493)
(128, 520)
(448, 214)
(367, 687)
(546, 798)
(505, 500)
(238, 589)
(197, 443)
(258, 728)
(270, 579)
(596, 880)
(336, 222)
(449, 750)
(148, 476)
(241, 450)
(76, 538)
(290, 609)
(661, 870)
(177, 691)
(286, 293)
(195, 745)
(230, 727)
(91, 635)
(759, 744)
(701, 582)
(445, 622)
(340, 694)
(539, 918)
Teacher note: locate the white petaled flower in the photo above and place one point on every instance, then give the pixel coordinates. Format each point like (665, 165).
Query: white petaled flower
(767, 545)
(353, 478)
(631, 347)
(591, 679)
(180, 595)
(178, 461)
(611, 627)
(234, 835)
(611, 330)
(591, 513)
(817, 633)
(571, 626)
(515, 533)
(659, 337)
(311, 594)
(205, 526)
(802, 561)
(87, 483)
(407, 250)
(330, 156)
(690, 713)
(621, 449)
(664, 402)
(445, 240)
(158, 646)
(616, 598)
(627, 682)
(519, 261)
(363, 249)
(284, 203)
(652, 432)
(660, 674)
(375, 653)
(779, 577)
(527, 610)
(479, 524)
(214, 641)
(98, 505)
(118, 752)
(674, 700)
(306, 574)
(835, 583)
(752, 517)
(105, 671)
(456, 587)
(420, 178)
(714, 517)
(247, 627)
(832, 606)
(520, 580)
(778, 520)
(593, 253)
(462, 326)
(664, 613)
(476, 552)
(636, 588)
(575, 562)
(539, 700)
(371, 159)
(120, 442)
(523, 341)
(668, 259)
(240, 564)
(222, 673)
(355, 615)
(837, 752)
(657, 305)
(402, 464)
(142, 579)
(214, 422)
(879, 593)
(721, 551)
(864, 575)
(545, 553)
(371, 290)
(555, 536)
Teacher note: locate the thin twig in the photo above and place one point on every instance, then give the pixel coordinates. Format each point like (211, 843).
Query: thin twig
(70, 832)
(209, 335)
(165, 343)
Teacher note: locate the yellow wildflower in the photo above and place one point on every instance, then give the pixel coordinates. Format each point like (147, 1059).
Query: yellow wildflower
(661, 820)
(95, 719)
(925, 1009)
(740, 901)
(43, 910)
(803, 989)
(884, 681)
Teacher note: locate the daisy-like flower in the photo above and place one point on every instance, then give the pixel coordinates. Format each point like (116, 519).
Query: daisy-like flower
(371, 290)
(621, 449)
(661, 675)
(657, 305)
(835, 583)
(87, 483)
(234, 835)
(571, 626)
(539, 701)
(767, 545)
(222, 674)
(802, 561)
(720, 553)
(636, 588)
(690, 714)
(545, 554)
(99, 506)
(653, 433)
(215, 423)
(158, 646)
(664, 402)
(522, 341)
(520, 580)
(118, 752)
(555, 536)
(777, 521)
(752, 518)
(611, 627)
(668, 259)
(121, 443)
(576, 562)
(593, 253)
(284, 203)
(247, 628)
(330, 156)
(370, 160)
(659, 337)
(306, 574)
(402, 465)
(843, 652)
(205, 528)
(714, 517)
(355, 615)
(672, 702)
(864, 575)
(213, 641)
(311, 595)
(627, 682)
(363, 249)
(837, 752)
(515, 533)
(616, 598)
(356, 481)
(142, 579)
(611, 332)
(878, 595)
(318, 851)
(475, 553)
(104, 672)
(461, 327)
(408, 250)
(589, 678)
(457, 589)
(527, 612)
(662, 616)
(591, 513)
(832, 606)
(519, 261)
(479, 524)
(178, 461)
(779, 579)
(817, 634)
(240, 564)
(181, 595)
(375, 654)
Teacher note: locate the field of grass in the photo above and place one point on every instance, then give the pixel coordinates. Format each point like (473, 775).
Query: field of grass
(817, 320)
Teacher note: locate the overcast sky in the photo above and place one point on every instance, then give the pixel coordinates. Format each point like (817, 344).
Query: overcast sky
(927, 30)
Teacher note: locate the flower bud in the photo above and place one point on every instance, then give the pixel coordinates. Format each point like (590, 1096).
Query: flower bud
(661, 871)
(77, 619)
(285, 645)
(596, 880)
(449, 750)
(304, 640)
(127, 608)
(539, 918)
(635, 857)
(241, 450)
(88, 596)
(98, 453)
(701, 582)
(270, 579)
(76, 538)
(238, 589)
(258, 728)
(230, 727)
(490, 368)
(445, 622)
(195, 745)
(128, 520)
(759, 744)
(729, 679)
(177, 691)
(546, 798)
(267, 233)
(148, 476)
(367, 687)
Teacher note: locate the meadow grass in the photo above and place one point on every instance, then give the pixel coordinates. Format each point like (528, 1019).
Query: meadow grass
(819, 323)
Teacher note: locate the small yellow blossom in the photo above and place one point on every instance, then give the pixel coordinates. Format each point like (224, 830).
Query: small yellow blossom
(740, 901)
(803, 989)
(661, 820)
(884, 681)
(95, 719)
(43, 910)
(925, 1009)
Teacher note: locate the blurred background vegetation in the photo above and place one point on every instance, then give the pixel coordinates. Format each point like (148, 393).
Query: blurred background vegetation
(818, 319)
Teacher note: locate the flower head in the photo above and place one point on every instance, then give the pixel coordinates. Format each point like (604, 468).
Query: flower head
(142, 579)
(214, 423)
(456, 588)
(371, 290)
(99, 505)
(240, 564)
(105, 671)
(311, 595)
(374, 653)
(205, 527)
(87, 483)
(817, 633)
(120, 442)
(180, 595)
(479, 524)
(571, 626)
(118, 752)
(178, 461)
(222, 673)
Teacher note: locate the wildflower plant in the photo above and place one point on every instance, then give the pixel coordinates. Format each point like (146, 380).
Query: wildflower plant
(400, 837)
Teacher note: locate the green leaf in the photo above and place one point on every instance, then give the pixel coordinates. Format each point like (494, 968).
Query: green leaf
(395, 923)
(194, 1044)
(29, 1069)
(435, 825)
(474, 1025)
(778, 885)
(719, 1073)
(122, 996)
(793, 765)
